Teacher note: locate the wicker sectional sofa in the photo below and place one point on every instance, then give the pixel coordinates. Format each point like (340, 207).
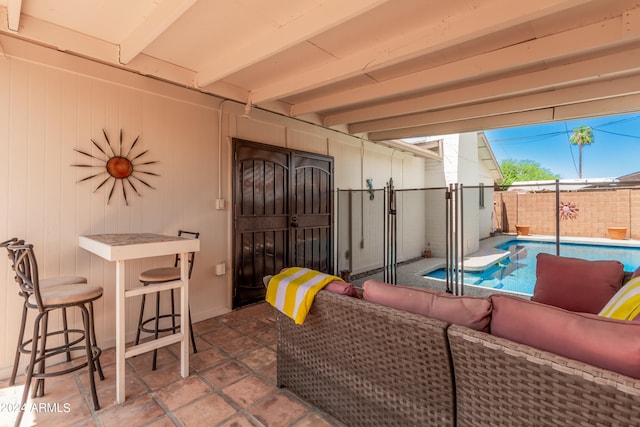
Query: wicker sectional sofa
(372, 365)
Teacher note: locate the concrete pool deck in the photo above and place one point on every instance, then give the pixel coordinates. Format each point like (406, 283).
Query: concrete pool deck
(412, 273)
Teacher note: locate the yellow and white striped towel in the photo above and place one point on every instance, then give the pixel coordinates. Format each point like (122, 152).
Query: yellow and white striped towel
(292, 291)
(625, 304)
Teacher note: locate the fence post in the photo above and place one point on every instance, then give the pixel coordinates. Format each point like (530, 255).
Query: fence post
(558, 217)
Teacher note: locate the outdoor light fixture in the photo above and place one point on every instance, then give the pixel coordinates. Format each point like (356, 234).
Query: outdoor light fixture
(247, 108)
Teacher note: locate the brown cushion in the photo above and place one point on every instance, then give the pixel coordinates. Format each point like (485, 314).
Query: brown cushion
(473, 312)
(67, 294)
(163, 274)
(606, 343)
(576, 284)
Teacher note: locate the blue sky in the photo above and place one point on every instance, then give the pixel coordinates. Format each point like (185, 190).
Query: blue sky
(615, 151)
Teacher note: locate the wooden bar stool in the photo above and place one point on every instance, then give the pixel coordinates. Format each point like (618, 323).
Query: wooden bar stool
(44, 301)
(162, 275)
(44, 283)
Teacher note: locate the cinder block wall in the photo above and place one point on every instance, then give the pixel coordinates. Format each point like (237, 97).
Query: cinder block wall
(596, 210)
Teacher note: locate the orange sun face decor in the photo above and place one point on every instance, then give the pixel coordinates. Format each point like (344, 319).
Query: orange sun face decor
(568, 210)
(117, 167)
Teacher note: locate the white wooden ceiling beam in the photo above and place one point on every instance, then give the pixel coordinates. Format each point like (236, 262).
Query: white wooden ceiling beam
(573, 95)
(167, 12)
(63, 39)
(570, 74)
(472, 21)
(473, 125)
(583, 72)
(417, 151)
(14, 9)
(597, 108)
(251, 47)
(606, 34)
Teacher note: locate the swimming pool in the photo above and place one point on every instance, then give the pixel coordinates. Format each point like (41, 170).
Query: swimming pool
(517, 272)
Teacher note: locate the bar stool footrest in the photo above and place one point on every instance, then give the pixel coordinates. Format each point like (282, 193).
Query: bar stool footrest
(95, 351)
(162, 316)
(63, 347)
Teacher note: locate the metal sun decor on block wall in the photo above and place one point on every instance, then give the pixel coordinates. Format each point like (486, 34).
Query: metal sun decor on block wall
(568, 210)
(117, 167)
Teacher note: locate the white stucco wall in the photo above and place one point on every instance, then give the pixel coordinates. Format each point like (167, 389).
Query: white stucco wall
(460, 165)
(468, 176)
(487, 213)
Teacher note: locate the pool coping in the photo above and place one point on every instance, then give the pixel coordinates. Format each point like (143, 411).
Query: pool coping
(474, 261)
(413, 274)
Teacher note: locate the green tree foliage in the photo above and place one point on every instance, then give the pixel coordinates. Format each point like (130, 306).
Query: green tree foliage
(582, 135)
(524, 170)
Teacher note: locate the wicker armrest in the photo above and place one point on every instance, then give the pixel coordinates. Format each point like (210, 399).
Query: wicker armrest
(499, 382)
(367, 364)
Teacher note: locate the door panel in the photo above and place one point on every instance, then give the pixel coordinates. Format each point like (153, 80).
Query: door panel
(261, 221)
(312, 212)
(282, 215)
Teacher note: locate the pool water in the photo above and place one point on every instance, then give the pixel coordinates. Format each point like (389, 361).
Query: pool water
(517, 272)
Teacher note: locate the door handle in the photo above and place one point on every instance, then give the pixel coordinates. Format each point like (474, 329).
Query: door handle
(294, 221)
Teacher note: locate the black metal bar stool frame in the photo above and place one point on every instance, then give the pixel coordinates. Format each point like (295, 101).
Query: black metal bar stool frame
(165, 275)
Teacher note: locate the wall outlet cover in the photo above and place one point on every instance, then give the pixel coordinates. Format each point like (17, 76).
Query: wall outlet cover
(220, 269)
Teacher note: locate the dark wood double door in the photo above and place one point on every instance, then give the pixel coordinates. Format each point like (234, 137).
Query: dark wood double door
(283, 216)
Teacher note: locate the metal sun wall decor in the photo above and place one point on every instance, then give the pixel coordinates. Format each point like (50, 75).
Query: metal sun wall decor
(118, 167)
(568, 210)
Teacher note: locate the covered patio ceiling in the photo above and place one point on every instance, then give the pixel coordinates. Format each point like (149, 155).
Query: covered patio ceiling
(383, 70)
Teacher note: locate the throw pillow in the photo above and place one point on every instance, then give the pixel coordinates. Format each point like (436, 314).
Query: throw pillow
(606, 343)
(625, 304)
(576, 284)
(472, 312)
(342, 288)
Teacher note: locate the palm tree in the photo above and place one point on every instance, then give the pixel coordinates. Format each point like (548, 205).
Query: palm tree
(582, 135)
